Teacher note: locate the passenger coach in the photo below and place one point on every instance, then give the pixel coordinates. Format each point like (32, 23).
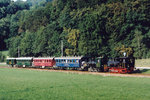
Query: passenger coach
(24, 61)
(82, 63)
(43, 62)
(11, 61)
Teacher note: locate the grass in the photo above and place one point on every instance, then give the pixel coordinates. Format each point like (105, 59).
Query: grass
(3, 64)
(142, 62)
(22, 84)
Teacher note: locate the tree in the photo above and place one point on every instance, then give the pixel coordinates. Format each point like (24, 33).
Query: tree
(14, 44)
(26, 45)
(4, 32)
(2, 57)
(127, 50)
(139, 46)
(72, 38)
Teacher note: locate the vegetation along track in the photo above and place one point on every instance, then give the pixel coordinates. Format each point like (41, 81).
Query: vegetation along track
(86, 72)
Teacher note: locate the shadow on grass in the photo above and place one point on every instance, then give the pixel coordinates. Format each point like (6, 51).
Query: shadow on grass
(142, 71)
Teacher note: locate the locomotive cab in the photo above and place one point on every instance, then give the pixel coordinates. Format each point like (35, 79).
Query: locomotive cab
(116, 65)
(121, 65)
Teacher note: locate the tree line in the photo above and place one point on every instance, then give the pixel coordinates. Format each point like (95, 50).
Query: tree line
(86, 27)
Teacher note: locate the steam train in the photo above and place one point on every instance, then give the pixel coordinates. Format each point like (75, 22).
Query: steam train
(92, 64)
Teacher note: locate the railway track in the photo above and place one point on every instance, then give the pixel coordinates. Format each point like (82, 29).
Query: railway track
(85, 72)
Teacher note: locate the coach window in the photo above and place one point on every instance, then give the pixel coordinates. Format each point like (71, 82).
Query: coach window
(77, 60)
(70, 61)
(73, 61)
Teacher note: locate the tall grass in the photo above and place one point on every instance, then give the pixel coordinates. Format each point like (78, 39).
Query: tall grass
(22, 84)
(142, 62)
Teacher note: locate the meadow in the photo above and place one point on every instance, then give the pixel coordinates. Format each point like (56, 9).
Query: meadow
(23, 84)
(142, 62)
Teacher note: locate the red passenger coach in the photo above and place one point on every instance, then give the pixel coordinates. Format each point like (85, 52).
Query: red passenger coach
(43, 62)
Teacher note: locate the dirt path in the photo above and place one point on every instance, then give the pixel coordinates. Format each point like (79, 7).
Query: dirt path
(86, 72)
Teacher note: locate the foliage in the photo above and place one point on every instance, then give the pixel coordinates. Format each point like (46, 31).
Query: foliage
(72, 38)
(2, 57)
(128, 51)
(14, 44)
(93, 27)
(7, 10)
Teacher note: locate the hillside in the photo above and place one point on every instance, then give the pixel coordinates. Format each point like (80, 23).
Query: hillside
(93, 28)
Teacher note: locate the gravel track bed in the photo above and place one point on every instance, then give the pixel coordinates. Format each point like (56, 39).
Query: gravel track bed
(84, 72)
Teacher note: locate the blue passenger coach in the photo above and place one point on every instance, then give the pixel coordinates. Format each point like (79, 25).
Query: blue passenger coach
(74, 62)
(68, 61)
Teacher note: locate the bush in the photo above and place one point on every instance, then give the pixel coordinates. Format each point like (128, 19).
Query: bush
(2, 57)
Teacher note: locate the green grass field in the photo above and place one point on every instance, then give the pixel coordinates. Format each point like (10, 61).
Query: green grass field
(22, 84)
(3, 64)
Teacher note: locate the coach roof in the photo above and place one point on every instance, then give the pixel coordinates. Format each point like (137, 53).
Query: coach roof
(24, 58)
(68, 57)
(11, 58)
(43, 58)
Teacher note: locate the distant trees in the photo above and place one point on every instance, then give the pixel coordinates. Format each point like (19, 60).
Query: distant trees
(8, 24)
(87, 27)
(2, 57)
